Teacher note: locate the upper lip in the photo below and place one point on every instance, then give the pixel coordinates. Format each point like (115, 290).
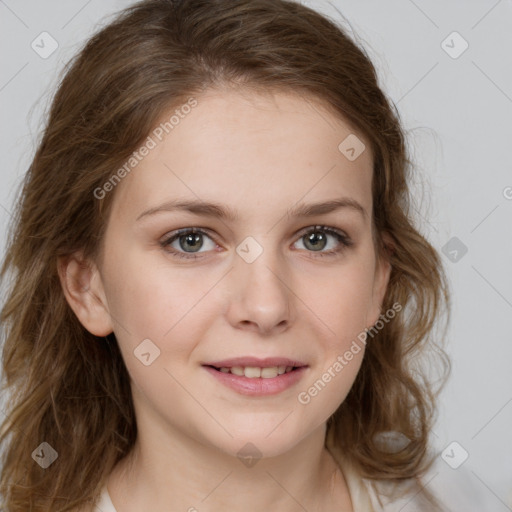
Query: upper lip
(267, 362)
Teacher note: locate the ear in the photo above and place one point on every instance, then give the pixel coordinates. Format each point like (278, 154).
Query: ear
(381, 280)
(84, 292)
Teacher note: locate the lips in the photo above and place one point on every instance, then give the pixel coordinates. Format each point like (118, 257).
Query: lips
(267, 362)
(256, 376)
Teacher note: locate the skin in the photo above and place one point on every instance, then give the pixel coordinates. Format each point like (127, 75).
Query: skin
(258, 155)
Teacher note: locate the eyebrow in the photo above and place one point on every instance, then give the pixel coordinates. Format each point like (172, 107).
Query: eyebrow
(209, 209)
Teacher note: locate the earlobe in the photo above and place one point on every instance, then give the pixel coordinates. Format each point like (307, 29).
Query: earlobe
(83, 289)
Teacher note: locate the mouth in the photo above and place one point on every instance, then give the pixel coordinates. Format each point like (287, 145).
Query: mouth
(257, 377)
(256, 372)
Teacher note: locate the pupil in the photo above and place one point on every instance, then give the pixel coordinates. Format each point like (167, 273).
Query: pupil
(316, 239)
(191, 238)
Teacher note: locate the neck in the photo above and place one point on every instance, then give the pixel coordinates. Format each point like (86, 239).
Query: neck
(186, 475)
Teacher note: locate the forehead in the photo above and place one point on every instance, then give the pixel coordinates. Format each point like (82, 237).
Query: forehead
(250, 150)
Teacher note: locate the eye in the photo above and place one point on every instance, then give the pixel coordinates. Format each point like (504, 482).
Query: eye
(185, 243)
(316, 239)
(188, 242)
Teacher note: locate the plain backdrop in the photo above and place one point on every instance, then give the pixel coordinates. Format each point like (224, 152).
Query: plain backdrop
(454, 94)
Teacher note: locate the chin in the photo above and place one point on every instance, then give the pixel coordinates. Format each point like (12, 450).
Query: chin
(255, 443)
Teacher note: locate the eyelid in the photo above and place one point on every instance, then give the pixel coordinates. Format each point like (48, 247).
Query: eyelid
(192, 229)
(322, 227)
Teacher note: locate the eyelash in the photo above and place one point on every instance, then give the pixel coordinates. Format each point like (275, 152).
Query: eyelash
(344, 240)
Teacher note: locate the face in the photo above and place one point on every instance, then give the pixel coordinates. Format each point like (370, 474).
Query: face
(219, 265)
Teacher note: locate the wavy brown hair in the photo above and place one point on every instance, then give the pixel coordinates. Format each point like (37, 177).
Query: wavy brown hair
(70, 388)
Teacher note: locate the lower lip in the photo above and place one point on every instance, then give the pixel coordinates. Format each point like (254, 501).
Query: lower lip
(258, 386)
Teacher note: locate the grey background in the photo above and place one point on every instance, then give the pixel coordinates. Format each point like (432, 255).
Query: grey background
(457, 115)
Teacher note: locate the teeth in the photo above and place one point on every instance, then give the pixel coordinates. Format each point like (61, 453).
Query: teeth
(269, 373)
(253, 372)
(237, 370)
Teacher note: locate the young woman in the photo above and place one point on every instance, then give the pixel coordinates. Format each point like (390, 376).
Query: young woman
(218, 298)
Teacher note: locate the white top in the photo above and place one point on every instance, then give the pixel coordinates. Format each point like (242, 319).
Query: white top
(105, 503)
(454, 489)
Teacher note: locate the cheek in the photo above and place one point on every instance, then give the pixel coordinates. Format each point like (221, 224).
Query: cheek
(342, 301)
(341, 305)
(329, 386)
(166, 305)
(140, 291)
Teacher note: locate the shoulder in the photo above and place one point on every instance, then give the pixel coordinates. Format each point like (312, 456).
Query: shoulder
(454, 491)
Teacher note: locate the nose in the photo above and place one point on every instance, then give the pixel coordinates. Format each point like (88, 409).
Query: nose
(260, 295)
